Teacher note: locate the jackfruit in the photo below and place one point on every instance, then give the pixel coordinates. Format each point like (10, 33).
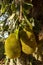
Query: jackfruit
(12, 46)
(28, 41)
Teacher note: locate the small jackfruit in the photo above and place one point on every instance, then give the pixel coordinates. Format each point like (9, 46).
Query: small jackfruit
(28, 41)
(12, 46)
(26, 48)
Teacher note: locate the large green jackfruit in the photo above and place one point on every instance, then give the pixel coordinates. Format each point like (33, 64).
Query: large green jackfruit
(28, 41)
(12, 46)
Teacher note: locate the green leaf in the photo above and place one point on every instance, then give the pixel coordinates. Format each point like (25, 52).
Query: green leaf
(13, 7)
(27, 6)
(7, 1)
(8, 9)
(3, 8)
(28, 22)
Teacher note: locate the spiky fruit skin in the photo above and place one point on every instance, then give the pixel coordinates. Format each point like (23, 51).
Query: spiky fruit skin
(12, 47)
(28, 41)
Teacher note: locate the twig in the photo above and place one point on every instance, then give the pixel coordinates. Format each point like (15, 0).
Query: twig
(20, 10)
